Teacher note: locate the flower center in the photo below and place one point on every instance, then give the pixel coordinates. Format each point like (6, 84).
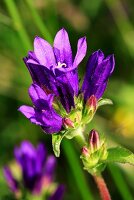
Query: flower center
(61, 65)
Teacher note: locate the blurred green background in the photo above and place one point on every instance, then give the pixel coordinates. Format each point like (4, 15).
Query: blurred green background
(108, 25)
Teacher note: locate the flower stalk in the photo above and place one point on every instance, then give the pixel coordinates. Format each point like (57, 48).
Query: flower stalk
(104, 193)
(93, 156)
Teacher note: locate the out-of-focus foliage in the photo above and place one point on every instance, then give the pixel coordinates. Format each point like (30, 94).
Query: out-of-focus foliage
(108, 25)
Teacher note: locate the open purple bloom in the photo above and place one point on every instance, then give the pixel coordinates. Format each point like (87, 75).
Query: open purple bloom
(42, 113)
(55, 68)
(98, 71)
(36, 167)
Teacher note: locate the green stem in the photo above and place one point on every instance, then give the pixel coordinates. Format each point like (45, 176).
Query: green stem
(80, 140)
(104, 193)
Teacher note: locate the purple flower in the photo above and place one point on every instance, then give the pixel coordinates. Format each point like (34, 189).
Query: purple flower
(55, 77)
(42, 113)
(54, 67)
(98, 71)
(37, 169)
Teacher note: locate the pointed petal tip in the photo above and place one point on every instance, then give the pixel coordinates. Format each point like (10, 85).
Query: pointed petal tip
(62, 29)
(37, 41)
(100, 53)
(83, 42)
(24, 59)
(37, 37)
(61, 32)
(81, 51)
(112, 63)
(32, 87)
(83, 38)
(19, 109)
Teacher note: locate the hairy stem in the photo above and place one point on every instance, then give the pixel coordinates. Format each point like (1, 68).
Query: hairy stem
(104, 193)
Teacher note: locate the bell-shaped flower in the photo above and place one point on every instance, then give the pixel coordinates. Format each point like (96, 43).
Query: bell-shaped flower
(98, 71)
(42, 113)
(55, 68)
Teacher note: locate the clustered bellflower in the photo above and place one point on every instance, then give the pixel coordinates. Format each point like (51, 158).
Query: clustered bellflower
(60, 104)
(37, 171)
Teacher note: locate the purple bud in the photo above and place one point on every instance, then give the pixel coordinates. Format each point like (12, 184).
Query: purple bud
(94, 140)
(68, 123)
(92, 102)
(11, 181)
(85, 151)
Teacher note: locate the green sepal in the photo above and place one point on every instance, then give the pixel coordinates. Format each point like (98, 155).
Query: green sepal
(121, 155)
(102, 102)
(94, 162)
(56, 141)
(94, 166)
(70, 134)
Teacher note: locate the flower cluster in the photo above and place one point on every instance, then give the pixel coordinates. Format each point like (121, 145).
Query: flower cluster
(37, 171)
(60, 104)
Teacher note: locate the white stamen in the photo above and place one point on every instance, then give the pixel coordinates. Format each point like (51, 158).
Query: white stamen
(61, 65)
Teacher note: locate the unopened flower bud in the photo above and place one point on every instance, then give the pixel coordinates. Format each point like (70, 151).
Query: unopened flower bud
(94, 140)
(92, 103)
(85, 151)
(68, 123)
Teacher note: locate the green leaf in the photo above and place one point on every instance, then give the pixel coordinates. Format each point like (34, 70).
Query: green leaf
(56, 141)
(121, 155)
(102, 102)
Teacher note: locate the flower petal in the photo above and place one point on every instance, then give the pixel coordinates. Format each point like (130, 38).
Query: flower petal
(81, 51)
(24, 153)
(62, 47)
(52, 122)
(26, 148)
(101, 75)
(93, 61)
(97, 74)
(42, 76)
(49, 168)
(41, 154)
(26, 156)
(44, 52)
(66, 92)
(73, 79)
(12, 182)
(39, 98)
(32, 56)
(29, 113)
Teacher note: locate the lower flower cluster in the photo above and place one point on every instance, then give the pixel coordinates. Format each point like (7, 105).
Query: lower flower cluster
(37, 171)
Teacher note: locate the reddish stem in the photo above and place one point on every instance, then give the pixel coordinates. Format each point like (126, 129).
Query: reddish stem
(104, 193)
